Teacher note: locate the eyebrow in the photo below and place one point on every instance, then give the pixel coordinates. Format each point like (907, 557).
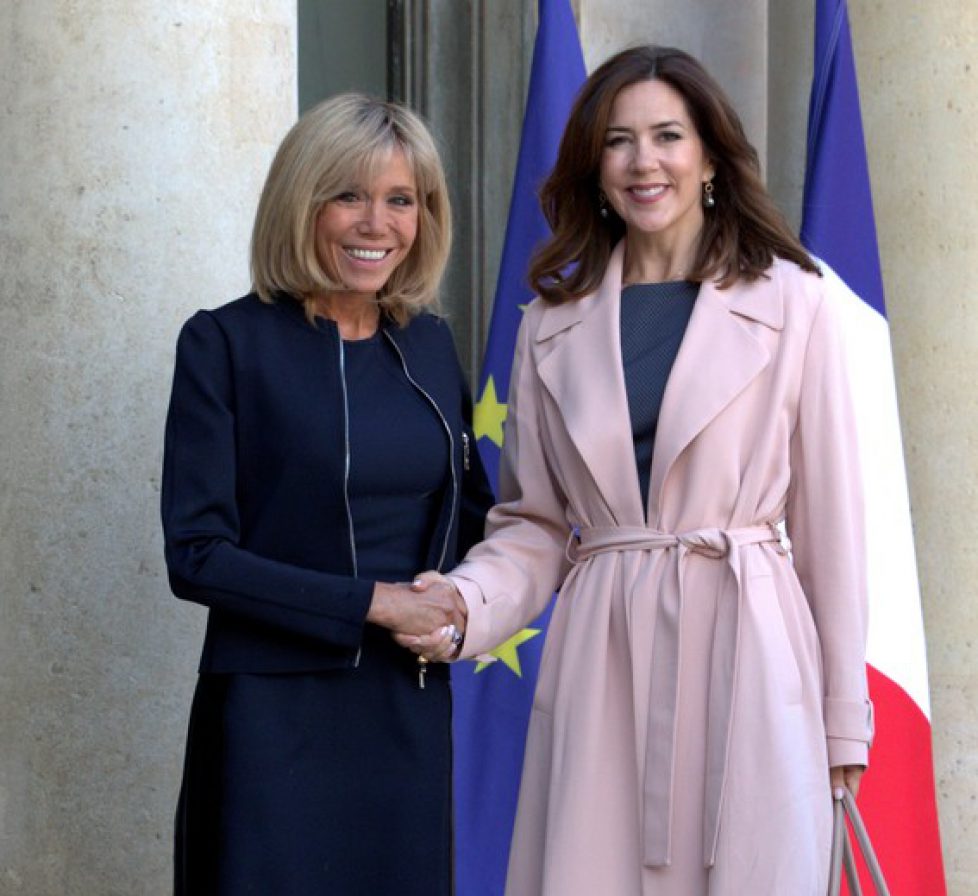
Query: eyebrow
(671, 123)
(396, 188)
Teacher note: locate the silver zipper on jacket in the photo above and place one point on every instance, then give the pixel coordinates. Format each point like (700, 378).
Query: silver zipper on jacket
(346, 471)
(451, 447)
(422, 662)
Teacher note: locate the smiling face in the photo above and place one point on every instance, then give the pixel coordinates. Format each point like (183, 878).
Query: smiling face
(366, 230)
(654, 165)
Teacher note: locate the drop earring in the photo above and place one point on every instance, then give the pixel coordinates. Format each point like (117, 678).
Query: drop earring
(708, 199)
(602, 204)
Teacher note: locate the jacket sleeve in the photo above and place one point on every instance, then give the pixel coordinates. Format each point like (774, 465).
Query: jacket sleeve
(507, 580)
(477, 497)
(204, 557)
(825, 520)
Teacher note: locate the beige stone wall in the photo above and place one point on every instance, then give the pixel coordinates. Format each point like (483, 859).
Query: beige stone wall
(918, 70)
(133, 141)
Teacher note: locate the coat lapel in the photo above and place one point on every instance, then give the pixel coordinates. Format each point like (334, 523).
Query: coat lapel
(579, 362)
(719, 356)
(578, 347)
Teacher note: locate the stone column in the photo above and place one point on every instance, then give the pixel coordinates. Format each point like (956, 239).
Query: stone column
(133, 143)
(918, 70)
(730, 39)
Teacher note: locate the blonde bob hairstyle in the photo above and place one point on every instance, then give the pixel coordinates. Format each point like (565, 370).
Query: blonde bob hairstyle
(342, 142)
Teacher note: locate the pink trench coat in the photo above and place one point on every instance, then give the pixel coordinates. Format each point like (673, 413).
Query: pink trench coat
(697, 679)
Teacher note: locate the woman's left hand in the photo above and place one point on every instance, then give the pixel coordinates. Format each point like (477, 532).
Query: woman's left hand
(439, 646)
(846, 776)
(443, 644)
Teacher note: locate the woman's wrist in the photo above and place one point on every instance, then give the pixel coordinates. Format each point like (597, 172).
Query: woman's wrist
(381, 609)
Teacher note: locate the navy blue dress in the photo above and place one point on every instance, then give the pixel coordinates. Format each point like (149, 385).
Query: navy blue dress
(303, 782)
(654, 317)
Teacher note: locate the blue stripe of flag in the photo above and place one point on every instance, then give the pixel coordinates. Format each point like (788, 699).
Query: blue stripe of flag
(837, 220)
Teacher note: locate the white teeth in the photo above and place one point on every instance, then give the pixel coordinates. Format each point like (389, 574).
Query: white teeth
(367, 254)
(647, 192)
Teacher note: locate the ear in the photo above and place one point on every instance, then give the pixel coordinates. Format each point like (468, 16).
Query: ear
(709, 170)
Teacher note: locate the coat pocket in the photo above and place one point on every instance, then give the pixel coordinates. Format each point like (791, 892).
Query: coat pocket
(780, 663)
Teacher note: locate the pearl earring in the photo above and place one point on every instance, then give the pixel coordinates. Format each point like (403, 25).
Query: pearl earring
(708, 199)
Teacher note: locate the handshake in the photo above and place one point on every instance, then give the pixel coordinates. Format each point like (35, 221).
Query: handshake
(427, 616)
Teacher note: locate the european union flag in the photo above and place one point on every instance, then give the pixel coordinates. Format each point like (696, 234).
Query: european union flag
(492, 702)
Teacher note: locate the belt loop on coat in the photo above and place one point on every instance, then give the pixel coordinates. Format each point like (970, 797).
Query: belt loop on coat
(659, 760)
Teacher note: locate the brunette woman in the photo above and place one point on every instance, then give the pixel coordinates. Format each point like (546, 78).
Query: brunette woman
(678, 409)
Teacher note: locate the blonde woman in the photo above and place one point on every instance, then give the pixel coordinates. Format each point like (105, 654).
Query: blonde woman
(318, 451)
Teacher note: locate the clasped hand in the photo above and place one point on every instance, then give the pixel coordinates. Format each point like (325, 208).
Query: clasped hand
(427, 616)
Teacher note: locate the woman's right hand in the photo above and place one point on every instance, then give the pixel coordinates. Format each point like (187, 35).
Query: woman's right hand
(411, 612)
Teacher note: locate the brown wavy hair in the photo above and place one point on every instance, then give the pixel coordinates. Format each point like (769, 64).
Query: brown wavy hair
(742, 233)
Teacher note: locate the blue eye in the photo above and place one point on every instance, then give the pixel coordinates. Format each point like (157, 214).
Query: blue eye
(402, 200)
(348, 196)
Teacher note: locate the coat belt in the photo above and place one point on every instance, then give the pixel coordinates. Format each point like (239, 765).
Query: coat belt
(715, 544)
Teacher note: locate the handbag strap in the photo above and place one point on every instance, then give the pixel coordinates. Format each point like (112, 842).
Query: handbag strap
(842, 853)
(838, 836)
(849, 863)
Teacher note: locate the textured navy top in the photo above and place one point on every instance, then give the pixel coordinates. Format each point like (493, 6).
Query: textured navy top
(398, 463)
(654, 317)
(398, 469)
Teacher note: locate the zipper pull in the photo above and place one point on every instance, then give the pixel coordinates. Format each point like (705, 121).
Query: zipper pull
(465, 450)
(422, 671)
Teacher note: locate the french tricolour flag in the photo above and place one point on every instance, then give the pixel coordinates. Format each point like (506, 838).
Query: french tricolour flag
(897, 796)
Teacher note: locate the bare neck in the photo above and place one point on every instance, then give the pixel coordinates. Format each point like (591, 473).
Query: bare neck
(356, 315)
(656, 258)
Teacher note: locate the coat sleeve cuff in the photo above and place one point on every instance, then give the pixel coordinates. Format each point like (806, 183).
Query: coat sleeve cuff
(848, 719)
(477, 620)
(843, 751)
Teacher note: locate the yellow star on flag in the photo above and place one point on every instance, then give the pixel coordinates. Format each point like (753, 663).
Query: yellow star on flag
(507, 653)
(489, 414)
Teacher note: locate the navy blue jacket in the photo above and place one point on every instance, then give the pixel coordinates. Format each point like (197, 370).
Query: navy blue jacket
(255, 516)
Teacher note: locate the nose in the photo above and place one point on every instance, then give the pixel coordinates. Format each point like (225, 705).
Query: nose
(645, 157)
(373, 220)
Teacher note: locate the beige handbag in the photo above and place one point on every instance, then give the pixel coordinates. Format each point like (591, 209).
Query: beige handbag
(842, 855)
